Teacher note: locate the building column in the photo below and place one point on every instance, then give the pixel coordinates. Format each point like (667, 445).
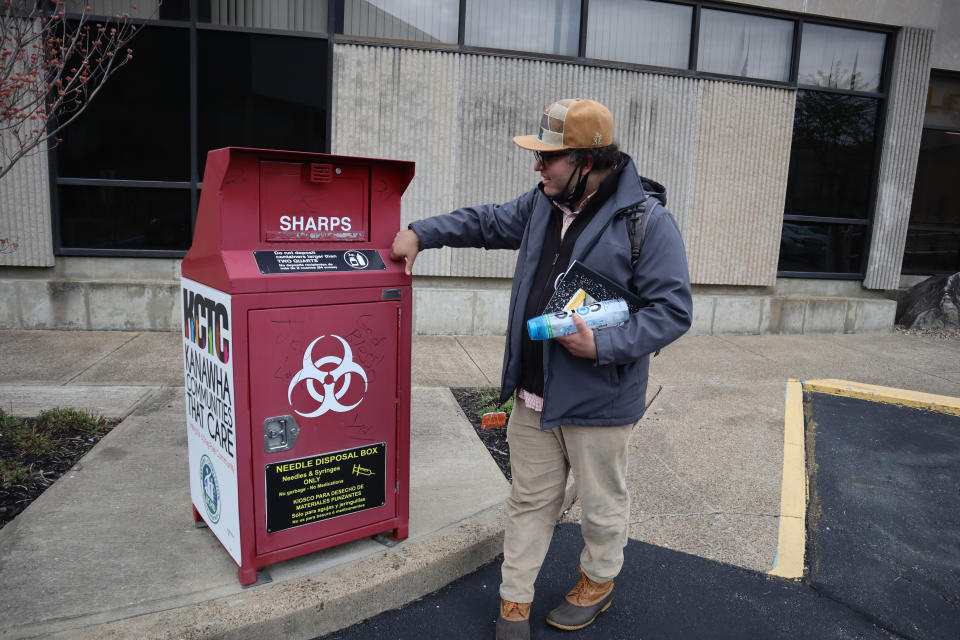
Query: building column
(898, 160)
(25, 225)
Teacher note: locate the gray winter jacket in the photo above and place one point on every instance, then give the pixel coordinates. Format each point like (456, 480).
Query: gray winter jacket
(611, 390)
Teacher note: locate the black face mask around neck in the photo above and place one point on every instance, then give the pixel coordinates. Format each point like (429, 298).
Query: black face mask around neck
(578, 190)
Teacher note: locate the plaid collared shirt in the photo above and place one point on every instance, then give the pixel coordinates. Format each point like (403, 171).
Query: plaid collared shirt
(532, 400)
(569, 214)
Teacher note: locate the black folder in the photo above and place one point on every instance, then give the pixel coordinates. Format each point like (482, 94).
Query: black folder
(596, 285)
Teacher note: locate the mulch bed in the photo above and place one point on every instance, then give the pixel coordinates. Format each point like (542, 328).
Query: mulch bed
(34, 452)
(476, 402)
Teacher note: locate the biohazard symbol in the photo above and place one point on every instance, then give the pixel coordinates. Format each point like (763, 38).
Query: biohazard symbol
(329, 398)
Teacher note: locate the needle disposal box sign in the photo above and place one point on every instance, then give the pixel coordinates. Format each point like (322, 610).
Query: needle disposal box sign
(325, 486)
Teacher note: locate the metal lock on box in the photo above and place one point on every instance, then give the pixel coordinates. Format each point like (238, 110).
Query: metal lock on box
(279, 433)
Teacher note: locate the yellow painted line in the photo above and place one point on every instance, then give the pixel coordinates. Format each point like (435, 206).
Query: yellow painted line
(914, 399)
(793, 490)
(792, 541)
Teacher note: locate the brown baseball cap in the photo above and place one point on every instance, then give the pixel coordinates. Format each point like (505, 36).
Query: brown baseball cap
(571, 123)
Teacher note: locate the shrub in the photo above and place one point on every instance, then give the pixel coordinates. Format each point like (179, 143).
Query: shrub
(33, 442)
(12, 472)
(60, 420)
(488, 402)
(26, 439)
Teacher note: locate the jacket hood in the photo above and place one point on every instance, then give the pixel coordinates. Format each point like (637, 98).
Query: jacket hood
(655, 189)
(633, 188)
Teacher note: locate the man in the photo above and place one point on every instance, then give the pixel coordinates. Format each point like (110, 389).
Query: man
(578, 396)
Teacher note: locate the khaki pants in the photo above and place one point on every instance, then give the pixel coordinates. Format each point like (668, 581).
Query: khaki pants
(539, 462)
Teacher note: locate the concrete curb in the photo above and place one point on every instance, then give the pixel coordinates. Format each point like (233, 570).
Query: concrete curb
(791, 546)
(109, 401)
(312, 606)
(890, 395)
(792, 542)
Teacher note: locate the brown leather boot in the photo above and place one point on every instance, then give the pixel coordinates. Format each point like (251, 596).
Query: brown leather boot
(582, 605)
(513, 623)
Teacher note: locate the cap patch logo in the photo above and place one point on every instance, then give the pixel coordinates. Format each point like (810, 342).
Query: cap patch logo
(597, 139)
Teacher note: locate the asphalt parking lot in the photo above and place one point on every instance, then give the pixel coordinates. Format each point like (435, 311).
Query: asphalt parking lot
(882, 553)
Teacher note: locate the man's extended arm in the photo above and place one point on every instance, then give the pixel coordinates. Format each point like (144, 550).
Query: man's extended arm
(486, 226)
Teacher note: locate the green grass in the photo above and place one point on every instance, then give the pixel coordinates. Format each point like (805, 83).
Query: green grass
(31, 441)
(13, 472)
(488, 402)
(26, 439)
(40, 436)
(62, 420)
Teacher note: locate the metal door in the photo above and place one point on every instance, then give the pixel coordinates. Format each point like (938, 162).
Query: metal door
(324, 402)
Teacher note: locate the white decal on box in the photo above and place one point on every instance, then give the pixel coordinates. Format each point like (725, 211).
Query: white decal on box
(356, 259)
(211, 415)
(329, 399)
(318, 223)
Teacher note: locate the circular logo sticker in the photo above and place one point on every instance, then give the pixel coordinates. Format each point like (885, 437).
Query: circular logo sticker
(356, 259)
(211, 489)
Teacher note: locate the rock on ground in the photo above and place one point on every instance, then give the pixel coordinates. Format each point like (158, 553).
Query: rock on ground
(931, 304)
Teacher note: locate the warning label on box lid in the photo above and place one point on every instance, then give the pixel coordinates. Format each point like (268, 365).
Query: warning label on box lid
(311, 261)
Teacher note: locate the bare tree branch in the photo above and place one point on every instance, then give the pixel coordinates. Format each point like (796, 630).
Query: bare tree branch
(55, 56)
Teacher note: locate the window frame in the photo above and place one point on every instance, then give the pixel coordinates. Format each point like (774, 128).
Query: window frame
(334, 35)
(195, 183)
(882, 97)
(800, 20)
(791, 72)
(689, 71)
(953, 229)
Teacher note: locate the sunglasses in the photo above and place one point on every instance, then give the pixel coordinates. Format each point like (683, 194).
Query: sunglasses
(546, 158)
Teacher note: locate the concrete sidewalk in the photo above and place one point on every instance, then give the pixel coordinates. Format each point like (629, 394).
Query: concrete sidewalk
(110, 550)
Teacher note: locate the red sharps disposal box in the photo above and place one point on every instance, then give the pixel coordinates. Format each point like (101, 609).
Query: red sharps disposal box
(296, 347)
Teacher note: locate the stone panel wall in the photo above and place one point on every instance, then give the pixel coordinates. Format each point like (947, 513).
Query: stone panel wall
(721, 148)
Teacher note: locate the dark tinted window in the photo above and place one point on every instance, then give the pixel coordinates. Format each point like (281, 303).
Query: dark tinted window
(176, 9)
(124, 218)
(138, 126)
(832, 157)
(260, 91)
(935, 196)
(933, 239)
(932, 251)
(821, 248)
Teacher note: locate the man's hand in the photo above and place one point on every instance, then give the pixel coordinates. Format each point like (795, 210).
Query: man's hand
(406, 246)
(581, 343)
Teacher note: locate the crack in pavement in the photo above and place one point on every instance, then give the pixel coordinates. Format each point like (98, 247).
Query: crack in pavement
(475, 363)
(693, 491)
(98, 361)
(738, 346)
